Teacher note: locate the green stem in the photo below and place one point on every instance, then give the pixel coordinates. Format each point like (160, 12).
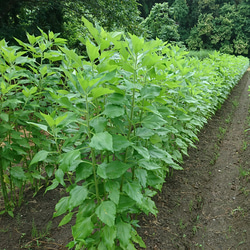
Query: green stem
(4, 189)
(93, 156)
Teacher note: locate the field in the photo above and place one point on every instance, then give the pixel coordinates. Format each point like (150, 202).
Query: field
(87, 142)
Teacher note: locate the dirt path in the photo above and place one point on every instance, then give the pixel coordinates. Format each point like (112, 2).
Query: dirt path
(207, 206)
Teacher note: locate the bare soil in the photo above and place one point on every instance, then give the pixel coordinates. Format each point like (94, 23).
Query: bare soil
(205, 206)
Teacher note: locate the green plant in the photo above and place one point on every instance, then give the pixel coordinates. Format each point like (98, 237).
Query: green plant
(108, 128)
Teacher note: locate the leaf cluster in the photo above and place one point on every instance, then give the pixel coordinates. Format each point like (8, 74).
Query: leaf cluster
(108, 128)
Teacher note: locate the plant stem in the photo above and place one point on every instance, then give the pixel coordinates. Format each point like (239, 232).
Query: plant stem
(4, 189)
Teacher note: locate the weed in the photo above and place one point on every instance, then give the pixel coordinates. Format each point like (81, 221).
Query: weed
(235, 103)
(35, 233)
(182, 226)
(243, 173)
(238, 210)
(244, 145)
(190, 206)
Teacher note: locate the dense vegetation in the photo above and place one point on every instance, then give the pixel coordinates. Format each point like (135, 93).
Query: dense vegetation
(108, 128)
(198, 24)
(110, 118)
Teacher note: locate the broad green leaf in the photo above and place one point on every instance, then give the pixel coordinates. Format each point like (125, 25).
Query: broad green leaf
(49, 119)
(83, 228)
(18, 173)
(54, 184)
(4, 117)
(148, 206)
(40, 156)
(117, 99)
(41, 126)
(102, 141)
(112, 170)
(60, 119)
(100, 91)
(124, 232)
(149, 165)
(60, 176)
(113, 111)
(49, 170)
(125, 204)
(120, 142)
(83, 171)
(62, 206)
(108, 236)
(92, 50)
(141, 175)
(150, 91)
(137, 238)
(137, 43)
(133, 190)
(77, 195)
(142, 151)
(106, 212)
(86, 209)
(152, 121)
(113, 188)
(66, 219)
(99, 124)
(144, 133)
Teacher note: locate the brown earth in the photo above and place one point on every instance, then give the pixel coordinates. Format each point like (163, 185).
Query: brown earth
(205, 206)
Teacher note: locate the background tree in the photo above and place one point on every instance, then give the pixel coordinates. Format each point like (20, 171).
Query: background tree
(160, 24)
(227, 31)
(19, 16)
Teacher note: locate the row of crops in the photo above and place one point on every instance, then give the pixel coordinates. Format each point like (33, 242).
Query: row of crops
(108, 128)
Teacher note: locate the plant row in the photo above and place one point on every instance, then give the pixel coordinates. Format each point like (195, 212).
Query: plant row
(108, 128)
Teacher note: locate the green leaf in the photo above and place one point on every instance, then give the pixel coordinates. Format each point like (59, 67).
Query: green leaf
(100, 91)
(49, 119)
(77, 195)
(99, 124)
(59, 175)
(106, 212)
(62, 206)
(153, 121)
(92, 50)
(124, 232)
(113, 188)
(133, 190)
(112, 170)
(142, 151)
(18, 173)
(66, 219)
(150, 92)
(149, 165)
(120, 142)
(54, 184)
(82, 228)
(108, 236)
(141, 175)
(40, 156)
(41, 126)
(83, 171)
(4, 117)
(102, 141)
(113, 111)
(137, 238)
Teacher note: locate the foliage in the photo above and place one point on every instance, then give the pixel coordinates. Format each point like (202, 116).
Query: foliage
(159, 23)
(108, 128)
(63, 16)
(224, 33)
